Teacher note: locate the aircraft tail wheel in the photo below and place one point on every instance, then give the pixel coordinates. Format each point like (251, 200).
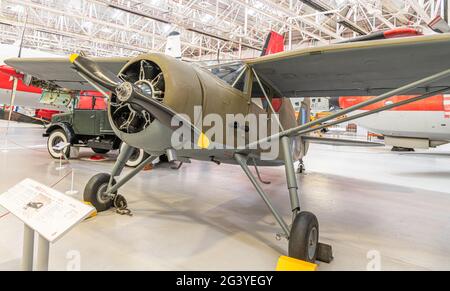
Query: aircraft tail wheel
(94, 192)
(304, 237)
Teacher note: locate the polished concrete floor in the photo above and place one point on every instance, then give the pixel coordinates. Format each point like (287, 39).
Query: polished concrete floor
(378, 209)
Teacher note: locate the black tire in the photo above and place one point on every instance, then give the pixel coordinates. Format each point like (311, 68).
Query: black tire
(94, 189)
(163, 159)
(55, 137)
(402, 149)
(304, 237)
(100, 151)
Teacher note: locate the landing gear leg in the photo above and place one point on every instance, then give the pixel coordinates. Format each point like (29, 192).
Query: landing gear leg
(303, 236)
(125, 153)
(242, 161)
(304, 233)
(101, 190)
(291, 178)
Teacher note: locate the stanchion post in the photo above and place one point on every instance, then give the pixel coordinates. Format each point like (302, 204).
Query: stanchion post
(43, 254)
(28, 248)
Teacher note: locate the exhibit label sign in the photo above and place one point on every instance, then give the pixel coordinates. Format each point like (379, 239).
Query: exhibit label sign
(47, 211)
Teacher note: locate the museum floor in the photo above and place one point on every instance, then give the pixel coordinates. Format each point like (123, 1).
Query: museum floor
(369, 201)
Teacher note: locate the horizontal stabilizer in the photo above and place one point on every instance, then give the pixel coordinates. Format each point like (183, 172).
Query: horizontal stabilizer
(340, 141)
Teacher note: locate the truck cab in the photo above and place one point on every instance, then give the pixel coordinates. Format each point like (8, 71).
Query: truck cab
(86, 124)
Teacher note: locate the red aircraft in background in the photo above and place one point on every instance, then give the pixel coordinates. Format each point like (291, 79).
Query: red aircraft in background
(27, 96)
(422, 124)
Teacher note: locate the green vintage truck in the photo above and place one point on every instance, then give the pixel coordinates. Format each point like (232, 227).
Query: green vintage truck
(86, 124)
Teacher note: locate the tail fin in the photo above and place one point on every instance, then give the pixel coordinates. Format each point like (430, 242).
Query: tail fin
(386, 34)
(274, 44)
(439, 25)
(173, 46)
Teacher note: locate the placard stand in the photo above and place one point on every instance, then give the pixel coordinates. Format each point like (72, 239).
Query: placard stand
(44, 211)
(72, 191)
(60, 164)
(61, 147)
(43, 254)
(28, 248)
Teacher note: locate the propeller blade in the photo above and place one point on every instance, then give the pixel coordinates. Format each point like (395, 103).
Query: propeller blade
(162, 113)
(91, 69)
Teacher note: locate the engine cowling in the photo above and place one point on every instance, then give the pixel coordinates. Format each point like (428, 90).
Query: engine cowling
(162, 78)
(180, 87)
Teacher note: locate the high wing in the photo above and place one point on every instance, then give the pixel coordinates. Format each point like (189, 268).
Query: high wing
(361, 68)
(59, 71)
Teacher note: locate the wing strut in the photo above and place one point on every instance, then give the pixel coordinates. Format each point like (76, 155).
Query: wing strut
(267, 99)
(404, 89)
(363, 114)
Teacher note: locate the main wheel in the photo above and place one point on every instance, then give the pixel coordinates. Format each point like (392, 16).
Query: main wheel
(304, 237)
(94, 192)
(56, 137)
(100, 151)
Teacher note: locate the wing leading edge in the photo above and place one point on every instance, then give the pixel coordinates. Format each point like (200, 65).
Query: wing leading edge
(59, 71)
(361, 68)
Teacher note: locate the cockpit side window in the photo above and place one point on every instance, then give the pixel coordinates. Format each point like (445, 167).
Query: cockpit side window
(272, 94)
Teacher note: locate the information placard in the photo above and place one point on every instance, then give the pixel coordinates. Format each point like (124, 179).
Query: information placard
(47, 211)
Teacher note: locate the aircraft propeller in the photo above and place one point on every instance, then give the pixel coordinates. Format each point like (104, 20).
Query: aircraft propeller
(131, 94)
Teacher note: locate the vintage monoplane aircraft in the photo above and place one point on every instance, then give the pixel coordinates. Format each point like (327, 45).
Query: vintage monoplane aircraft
(154, 96)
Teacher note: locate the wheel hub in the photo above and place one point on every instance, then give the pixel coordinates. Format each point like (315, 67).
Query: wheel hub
(124, 92)
(312, 243)
(101, 194)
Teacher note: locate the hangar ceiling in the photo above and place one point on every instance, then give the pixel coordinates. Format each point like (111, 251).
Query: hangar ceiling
(229, 29)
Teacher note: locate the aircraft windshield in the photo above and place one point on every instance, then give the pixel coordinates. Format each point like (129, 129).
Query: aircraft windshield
(229, 73)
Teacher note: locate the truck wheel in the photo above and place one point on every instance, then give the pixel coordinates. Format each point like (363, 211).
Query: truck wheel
(100, 151)
(57, 136)
(136, 158)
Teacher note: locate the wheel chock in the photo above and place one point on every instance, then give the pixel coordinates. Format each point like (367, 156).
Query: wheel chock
(93, 214)
(290, 264)
(324, 253)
